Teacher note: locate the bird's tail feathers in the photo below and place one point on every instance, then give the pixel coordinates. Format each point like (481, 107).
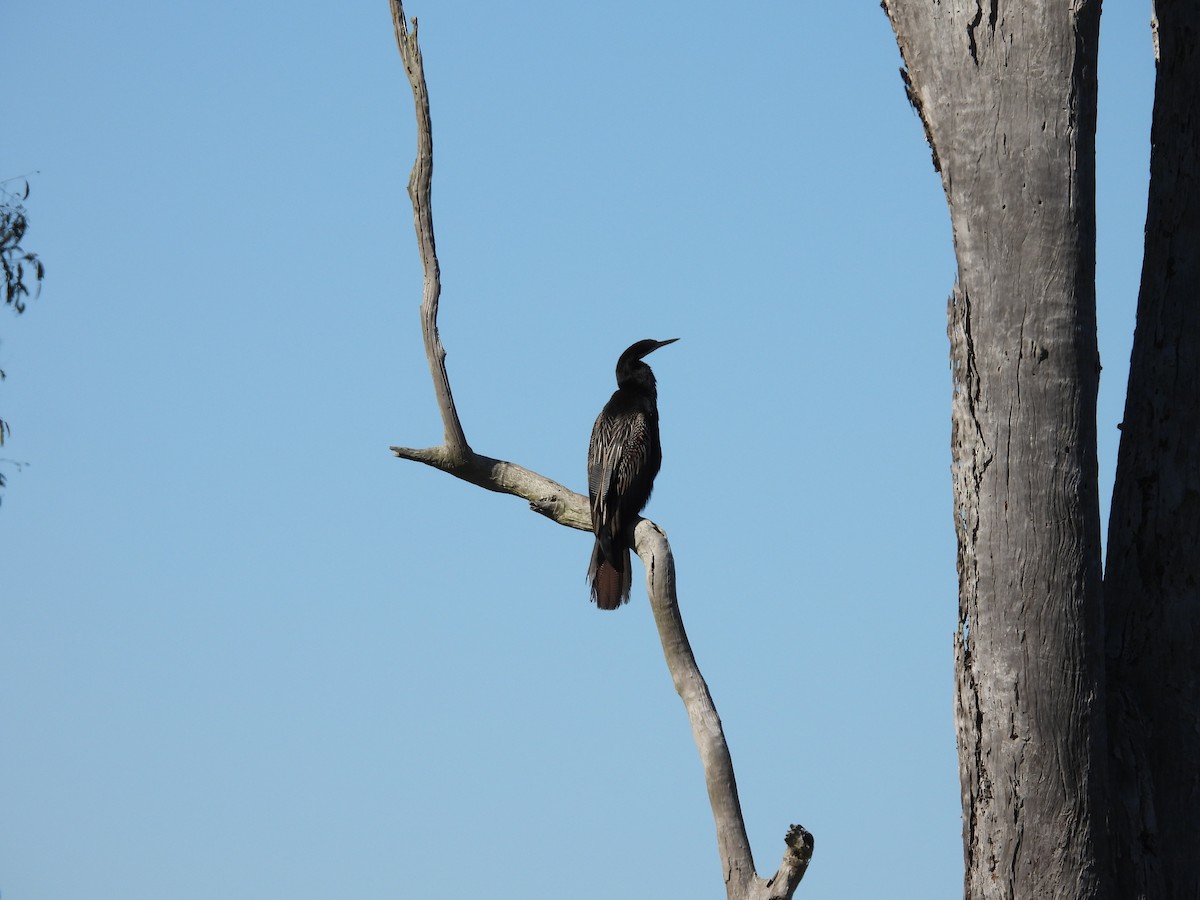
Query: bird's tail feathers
(610, 586)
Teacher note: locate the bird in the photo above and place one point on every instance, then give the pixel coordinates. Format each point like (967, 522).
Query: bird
(624, 456)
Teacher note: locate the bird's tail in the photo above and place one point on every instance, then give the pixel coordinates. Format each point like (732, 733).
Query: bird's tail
(610, 585)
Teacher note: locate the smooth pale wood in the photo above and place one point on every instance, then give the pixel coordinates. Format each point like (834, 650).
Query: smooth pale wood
(551, 499)
(1152, 580)
(1007, 96)
(737, 861)
(420, 187)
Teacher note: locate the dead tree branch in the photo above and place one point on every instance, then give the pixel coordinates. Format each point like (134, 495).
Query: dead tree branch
(419, 188)
(568, 508)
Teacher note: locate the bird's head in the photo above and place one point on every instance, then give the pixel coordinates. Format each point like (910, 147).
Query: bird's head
(630, 360)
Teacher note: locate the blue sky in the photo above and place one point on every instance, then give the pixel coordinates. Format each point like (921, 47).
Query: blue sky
(245, 653)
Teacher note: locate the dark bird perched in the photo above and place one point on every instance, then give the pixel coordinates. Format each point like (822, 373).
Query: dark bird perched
(623, 458)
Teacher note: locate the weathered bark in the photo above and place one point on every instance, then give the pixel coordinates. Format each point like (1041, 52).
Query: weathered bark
(569, 508)
(1152, 581)
(420, 189)
(1007, 95)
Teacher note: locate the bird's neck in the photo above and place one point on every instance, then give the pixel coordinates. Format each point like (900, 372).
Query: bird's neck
(637, 378)
(644, 390)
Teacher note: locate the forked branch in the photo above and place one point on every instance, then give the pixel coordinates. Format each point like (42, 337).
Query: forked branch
(566, 507)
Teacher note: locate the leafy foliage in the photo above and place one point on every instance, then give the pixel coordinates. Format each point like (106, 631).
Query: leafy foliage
(17, 262)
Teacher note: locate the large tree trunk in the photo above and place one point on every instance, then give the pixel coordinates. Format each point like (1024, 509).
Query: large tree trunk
(1007, 94)
(1152, 583)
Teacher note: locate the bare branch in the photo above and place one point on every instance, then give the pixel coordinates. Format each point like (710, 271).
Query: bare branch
(737, 861)
(419, 188)
(734, 846)
(545, 496)
(566, 507)
(795, 863)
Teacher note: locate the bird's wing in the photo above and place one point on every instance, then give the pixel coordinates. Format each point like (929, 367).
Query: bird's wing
(617, 453)
(635, 454)
(603, 454)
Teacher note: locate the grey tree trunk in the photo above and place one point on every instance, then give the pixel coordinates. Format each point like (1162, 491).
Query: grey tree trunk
(1007, 95)
(1152, 582)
